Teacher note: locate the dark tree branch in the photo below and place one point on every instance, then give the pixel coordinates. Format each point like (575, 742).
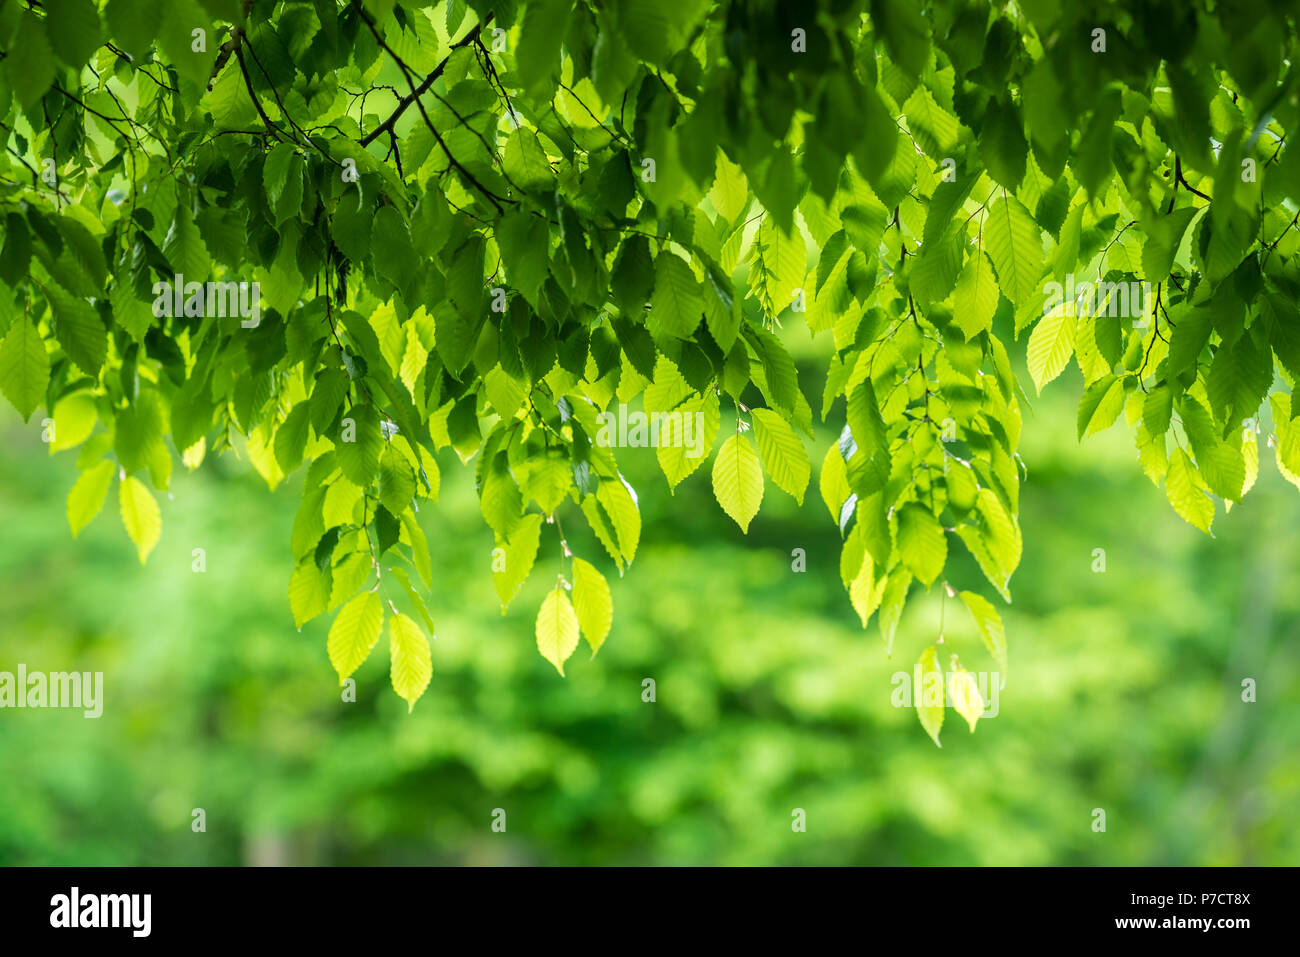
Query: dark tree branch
(456, 164)
(428, 81)
(248, 83)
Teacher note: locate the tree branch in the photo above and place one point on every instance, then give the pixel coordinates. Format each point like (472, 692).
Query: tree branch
(494, 198)
(248, 83)
(428, 81)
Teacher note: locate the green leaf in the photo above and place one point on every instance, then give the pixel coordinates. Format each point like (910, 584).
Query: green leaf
(1051, 345)
(935, 271)
(989, 623)
(869, 464)
(934, 127)
(995, 542)
(291, 437)
(24, 367)
(30, 67)
(538, 54)
(75, 416)
(880, 151)
(133, 24)
(140, 515)
(411, 664)
(79, 330)
(891, 606)
(557, 628)
(88, 493)
(1101, 405)
(187, 36)
(634, 276)
(730, 191)
(78, 32)
(859, 573)
(1186, 494)
(780, 381)
(778, 269)
(624, 516)
(512, 560)
(524, 243)
(592, 603)
(500, 500)
(902, 25)
(1220, 464)
(351, 226)
(1002, 144)
(1014, 244)
(465, 280)
(394, 256)
(921, 542)
(967, 700)
(275, 171)
(976, 297)
(738, 480)
(526, 162)
(326, 398)
(783, 455)
(684, 447)
(138, 442)
(419, 549)
(16, 252)
(929, 709)
(1157, 409)
(396, 481)
(417, 602)
(655, 30)
(833, 482)
(309, 592)
(677, 307)
(1163, 237)
(354, 632)
(358, 444)
(1092, 164)
(1239, 378)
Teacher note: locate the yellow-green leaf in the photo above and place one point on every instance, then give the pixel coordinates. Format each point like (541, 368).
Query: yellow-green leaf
(1050, 345)
(1250, 455)
(684, 445)
(513, 558)
(966, 696)
(677, 306)
(730, 191)
(738, 480)
(354, 632)
(783, 454)
(88, 494)
(833, 481)
(989, 623)
(1185, 490)
(592, 602)
(411, 665)
(140, 515)
(921, 542)
(621, 507)
(929, 704)
(24, 367)
(309, 592)
(976, 297)
(1014, 244)
(74, 419)
(557, 629)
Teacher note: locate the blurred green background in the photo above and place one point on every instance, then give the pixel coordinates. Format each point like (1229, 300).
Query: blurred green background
(1124, 690)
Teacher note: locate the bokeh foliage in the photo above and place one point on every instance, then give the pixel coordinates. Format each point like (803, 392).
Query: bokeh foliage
(1125, 693)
